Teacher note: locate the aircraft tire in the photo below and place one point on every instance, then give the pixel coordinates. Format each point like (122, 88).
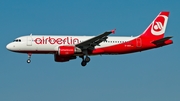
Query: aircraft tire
(28, 61)
(83, 63)
(87, 59)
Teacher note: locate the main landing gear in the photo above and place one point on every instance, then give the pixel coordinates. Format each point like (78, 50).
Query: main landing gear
(85, 60)
(29, 58)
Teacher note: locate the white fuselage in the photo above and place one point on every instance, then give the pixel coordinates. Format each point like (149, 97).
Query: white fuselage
(50, 43)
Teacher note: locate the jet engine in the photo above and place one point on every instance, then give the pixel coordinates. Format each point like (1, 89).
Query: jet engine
(66, 53)
(66, 50)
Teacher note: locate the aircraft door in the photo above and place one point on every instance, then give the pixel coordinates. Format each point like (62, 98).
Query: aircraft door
(138, 42)
(29, 40)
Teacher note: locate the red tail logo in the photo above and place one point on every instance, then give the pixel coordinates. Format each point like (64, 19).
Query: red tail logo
(159, 24)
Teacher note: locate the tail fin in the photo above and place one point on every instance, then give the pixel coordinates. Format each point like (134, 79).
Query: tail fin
(157, 28)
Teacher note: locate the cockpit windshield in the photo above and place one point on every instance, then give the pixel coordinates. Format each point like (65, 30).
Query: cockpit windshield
(17, 40)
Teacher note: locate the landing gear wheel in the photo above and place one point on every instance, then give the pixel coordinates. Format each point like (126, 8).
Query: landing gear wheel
(87, 59)
(28, 61)
(83, 63)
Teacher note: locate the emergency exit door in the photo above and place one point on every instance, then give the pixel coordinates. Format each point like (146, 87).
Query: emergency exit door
(138, 42)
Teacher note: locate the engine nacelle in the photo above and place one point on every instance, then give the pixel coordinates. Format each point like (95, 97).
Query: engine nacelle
(66, 53)
(58, 58)
(66, 50)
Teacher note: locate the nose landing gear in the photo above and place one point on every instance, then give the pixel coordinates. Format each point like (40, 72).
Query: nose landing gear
(29, 58)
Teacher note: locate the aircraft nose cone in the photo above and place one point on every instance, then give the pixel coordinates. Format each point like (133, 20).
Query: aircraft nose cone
(9, 46)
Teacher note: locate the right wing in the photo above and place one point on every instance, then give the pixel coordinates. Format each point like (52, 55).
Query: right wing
(95, 41)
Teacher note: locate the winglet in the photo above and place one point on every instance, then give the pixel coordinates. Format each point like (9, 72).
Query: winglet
(113, 31)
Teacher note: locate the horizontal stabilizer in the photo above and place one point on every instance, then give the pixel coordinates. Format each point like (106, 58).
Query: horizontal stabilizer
(161, 41)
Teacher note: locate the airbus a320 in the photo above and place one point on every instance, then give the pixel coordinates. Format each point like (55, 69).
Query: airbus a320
(65, 48)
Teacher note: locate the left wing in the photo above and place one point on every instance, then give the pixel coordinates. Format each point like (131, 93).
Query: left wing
(95, 41)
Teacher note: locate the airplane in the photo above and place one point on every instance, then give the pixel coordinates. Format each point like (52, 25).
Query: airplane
(66, 48)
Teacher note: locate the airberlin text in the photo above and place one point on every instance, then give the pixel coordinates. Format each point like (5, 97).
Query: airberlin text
(50, 40)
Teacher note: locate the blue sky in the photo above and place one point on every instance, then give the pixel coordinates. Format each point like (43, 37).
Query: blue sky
(151, 75)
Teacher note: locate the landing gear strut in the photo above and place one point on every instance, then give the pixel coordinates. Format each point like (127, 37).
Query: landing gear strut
(29, 58)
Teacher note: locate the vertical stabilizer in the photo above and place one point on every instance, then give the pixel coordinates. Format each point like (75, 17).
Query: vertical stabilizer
(157, 28)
